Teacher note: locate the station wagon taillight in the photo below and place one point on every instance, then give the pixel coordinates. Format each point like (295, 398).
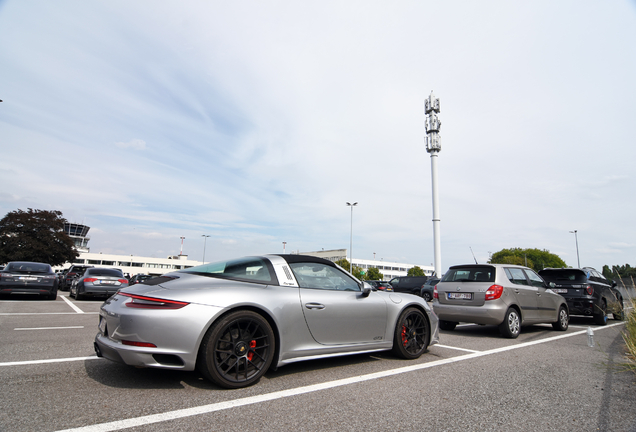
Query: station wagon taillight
(589, 289)
(494, 292)
(435, 294)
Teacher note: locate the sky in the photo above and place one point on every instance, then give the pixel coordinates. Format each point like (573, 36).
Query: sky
(254, 122)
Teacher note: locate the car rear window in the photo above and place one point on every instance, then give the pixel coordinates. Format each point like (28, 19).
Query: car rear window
(470, 274)
(28, 267)
(564, 275)
(104, 272)
(249, 269)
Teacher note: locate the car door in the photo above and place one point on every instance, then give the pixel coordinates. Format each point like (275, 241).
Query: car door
(335, 309)
(547, 303)
(525, 294)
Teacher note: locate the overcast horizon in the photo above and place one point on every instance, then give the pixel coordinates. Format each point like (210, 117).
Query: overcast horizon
(255, 122)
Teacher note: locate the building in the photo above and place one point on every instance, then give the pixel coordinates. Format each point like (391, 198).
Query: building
(389, 269)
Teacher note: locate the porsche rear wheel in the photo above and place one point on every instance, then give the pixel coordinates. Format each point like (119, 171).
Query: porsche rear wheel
(237, 350)
(412, 334)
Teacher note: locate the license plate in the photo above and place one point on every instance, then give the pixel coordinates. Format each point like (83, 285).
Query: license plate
(106, 282)
(460, 296)
(102, 325)
(28, 278)
(560, 290)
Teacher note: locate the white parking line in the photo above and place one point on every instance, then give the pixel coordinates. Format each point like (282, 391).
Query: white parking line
(49, 328)
(456, 348)
(206, 409)
(61, 360)
(46, 313)
(72, 305)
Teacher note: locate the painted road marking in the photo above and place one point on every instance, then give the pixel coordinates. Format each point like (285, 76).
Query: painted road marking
(61, 360)
(72, 305)
(49, 328)
(206, 409)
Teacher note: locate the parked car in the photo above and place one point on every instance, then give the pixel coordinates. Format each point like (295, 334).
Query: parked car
(32, 278)
(381, 285)
(72, 273)
(98, 282)
(587, 292)
(233, 320)
(427, 290)
(139, 278)
(508, 296)
(408, 284)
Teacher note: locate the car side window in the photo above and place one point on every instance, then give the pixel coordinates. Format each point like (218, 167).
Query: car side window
(321, 276)
(516, 276)
(535, 279)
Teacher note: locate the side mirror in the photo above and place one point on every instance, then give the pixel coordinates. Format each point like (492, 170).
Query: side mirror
(552, 285)
(366, 289)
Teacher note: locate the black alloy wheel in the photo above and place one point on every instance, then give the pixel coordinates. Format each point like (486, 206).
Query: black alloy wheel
(427, 296)
(411, 335)
(447, 325)
(563, 321)
(237, 350)
(78, 296)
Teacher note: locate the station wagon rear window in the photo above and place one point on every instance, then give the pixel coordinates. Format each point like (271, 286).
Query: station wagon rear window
(470, 274)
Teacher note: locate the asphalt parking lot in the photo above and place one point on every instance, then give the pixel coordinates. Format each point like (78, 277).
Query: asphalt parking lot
(473, 380)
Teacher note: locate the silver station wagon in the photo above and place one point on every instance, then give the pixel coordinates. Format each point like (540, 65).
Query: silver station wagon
(508, 296)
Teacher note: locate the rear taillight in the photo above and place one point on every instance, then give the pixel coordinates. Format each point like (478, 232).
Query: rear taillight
(122, 281)
(435, 295)
(589, 289)
(90, 280)
(143, 302)
(494, 292)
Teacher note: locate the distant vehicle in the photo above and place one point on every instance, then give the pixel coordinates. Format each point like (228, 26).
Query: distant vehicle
(31, 278)
(98, 282)
(508, 296)
(139, 278)
(234, 319)
(587, 292)
(72, 273)
(427, 290)
(408, 284)
(381, 285)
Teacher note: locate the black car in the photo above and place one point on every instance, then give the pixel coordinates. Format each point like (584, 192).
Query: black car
(426, 292)
(71, 274)
(381, 285)
(23, 277)
(98, 282)
(587, 292)
(408, 284)
(139, 278)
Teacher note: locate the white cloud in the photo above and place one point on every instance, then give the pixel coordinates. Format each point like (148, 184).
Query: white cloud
(135, 144)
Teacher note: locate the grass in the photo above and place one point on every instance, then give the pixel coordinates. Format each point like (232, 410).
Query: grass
(629, 336)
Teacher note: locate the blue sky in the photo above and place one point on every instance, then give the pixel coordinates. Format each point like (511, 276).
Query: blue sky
(255, 121)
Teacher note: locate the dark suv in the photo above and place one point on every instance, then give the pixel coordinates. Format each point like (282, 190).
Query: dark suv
(408, 284)
(587, 292)
(73, 272)
(426, 292)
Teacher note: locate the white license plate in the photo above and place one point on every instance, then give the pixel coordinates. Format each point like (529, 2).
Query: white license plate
(560, 290)
(460, 296)
(106, 282)
(28, 278)
(102, 325)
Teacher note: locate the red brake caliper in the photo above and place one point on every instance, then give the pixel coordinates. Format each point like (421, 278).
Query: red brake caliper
(404, 338)
(250, 355)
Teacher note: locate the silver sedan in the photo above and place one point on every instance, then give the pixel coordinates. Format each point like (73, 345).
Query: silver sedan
(234, 320)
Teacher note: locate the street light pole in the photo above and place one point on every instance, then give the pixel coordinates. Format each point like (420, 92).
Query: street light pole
(181, 252)
(205, 238)
(351, 238)
(284, 244)
(576, 238)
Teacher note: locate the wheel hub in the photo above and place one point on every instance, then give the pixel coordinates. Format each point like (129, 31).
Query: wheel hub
(241, 348)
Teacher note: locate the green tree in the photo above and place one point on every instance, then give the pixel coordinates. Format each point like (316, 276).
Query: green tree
(373, 274)
(35, 235)
(356, 271)
(344, 263)
(415, 271)
(536, 259)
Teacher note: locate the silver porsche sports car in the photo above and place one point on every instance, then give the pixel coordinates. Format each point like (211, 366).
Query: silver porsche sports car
(234, 320)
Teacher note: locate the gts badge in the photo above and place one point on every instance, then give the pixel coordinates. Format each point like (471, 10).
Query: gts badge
(377, 338)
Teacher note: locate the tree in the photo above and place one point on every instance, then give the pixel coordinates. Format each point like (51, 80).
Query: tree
(536, 259)
(35, 235)
(415, 271)
(356, 271)
(373, 274)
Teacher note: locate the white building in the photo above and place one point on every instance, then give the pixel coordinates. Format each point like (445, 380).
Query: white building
(133, 264)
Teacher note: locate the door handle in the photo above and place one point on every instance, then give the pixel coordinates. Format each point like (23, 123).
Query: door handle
(314, 306)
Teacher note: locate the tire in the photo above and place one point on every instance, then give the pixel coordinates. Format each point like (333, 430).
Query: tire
(53, 295)
(511, 325)
(620, 315)
(411, 335)
(447, 325)
(70, 293)
(600, 318)
(427, 296)
(237, 350)
(564, 320)
(78, 296)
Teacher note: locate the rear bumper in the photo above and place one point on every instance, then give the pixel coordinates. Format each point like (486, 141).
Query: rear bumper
(487, 314)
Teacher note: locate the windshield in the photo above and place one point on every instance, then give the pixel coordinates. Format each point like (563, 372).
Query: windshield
(252, 269)
(470, 274)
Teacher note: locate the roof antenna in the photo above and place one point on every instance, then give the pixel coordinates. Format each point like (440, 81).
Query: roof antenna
(471, 251)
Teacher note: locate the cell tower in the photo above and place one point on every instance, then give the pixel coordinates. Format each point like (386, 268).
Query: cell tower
(434, 146)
